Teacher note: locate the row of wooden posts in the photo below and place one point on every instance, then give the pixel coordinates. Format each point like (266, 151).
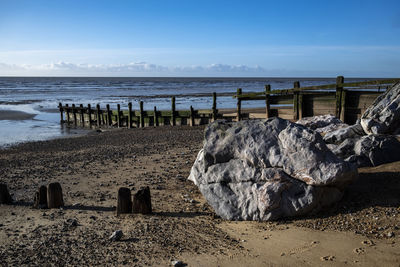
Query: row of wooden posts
(51, 196)
(99, 117)
(295, 103)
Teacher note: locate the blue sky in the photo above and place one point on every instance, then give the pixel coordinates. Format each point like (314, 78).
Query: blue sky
(200, 38)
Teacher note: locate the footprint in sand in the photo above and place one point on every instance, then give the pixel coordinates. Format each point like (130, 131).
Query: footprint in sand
(328, 258)
(368, 243)
(359, 251)
(304, 248)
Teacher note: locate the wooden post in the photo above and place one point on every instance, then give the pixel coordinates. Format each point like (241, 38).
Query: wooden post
(343, 106)
(141, 114)
(98, 115)
(109, 118)
(191, 116)
(54, 196)
(339, 89)
(214, 107)
(119, 115)
(5, 197)
(173, 118)
(61, 113)
(74, 114)
(129, 115)
(239, 104)
(267, 102)
(82, 116)
(40, 199)
(89, 111)
(142, 201)
(155, 117)
(67, 115)
(124, 202)
(296, 105)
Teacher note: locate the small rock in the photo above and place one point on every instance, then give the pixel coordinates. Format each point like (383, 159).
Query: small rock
(390, 234)
(116, 236)
(178, 264)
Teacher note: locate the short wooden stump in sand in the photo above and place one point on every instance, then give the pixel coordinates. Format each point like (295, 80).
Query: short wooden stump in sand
(5, 197)
(40, 199)
(142, 201)
(124, 203)
(54, 196)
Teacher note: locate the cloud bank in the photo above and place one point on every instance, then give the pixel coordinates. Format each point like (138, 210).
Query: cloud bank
(130, 69)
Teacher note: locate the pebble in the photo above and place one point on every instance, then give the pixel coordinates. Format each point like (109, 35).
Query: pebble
(178, 264)
(390, 234)
(116, 236)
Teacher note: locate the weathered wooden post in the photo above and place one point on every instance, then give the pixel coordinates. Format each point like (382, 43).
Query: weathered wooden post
(5, 197)
(129, 115)
(109, 118)
(54, 196)
(67, 115)
(98, 115)
(296, 105)
(191, 116)
(61, 113)
(239, 104)
(214, 107)
(343, 106)
(89, 111)
(119, 115)
(155, 117)
(74, 114)
(40, 199)
(124, 202)
(173, 118)
(267, 101)
(142, 201)
(339, 89)
(82, 116)
(141, 114)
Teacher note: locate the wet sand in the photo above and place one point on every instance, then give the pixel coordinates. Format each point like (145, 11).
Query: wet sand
(15, 115)
(361, 230)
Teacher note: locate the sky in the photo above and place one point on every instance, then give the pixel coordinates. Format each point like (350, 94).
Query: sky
(354, 38)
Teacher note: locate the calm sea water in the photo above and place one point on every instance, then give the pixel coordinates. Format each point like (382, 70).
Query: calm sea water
(41, 95)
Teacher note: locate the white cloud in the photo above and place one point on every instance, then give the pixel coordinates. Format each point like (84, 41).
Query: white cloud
(131, 69)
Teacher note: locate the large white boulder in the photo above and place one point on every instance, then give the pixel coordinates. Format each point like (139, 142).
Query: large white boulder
(264, 170)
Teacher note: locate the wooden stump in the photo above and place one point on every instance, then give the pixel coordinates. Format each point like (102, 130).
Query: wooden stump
(5, 197)
(142, 201)
(124, 204)
(40, 200)
(54, 196)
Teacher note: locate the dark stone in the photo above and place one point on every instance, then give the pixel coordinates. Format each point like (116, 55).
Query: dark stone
(54, 196)
(5, 197)
(142, 201)
(124, 204)
(40, 200)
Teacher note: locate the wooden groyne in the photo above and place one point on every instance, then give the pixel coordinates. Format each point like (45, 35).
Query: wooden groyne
(346, 101)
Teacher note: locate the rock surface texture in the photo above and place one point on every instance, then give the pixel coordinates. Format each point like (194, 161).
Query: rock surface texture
(383, 116)
(265, 170)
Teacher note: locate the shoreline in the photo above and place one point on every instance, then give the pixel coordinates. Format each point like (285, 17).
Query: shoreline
(92, 167)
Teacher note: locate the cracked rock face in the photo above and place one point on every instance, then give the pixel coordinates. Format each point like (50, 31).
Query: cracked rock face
(383, 116)
(265, 170)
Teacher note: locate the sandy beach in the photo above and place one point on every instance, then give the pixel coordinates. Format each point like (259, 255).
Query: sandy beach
(361, 230)
(15, 115)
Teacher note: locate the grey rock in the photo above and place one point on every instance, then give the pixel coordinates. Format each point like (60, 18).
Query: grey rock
(322, 123)
(339, 135)
(369, 150)
(178, 264)
(264, 170)
(383, 116)
(116, 236)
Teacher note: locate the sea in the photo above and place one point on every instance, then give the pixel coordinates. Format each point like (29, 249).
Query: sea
(40, 96)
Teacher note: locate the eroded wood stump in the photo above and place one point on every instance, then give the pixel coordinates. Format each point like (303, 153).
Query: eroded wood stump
(40, 200)
(5, 197)
(54, 196)
(142, 201)
(124, 203)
